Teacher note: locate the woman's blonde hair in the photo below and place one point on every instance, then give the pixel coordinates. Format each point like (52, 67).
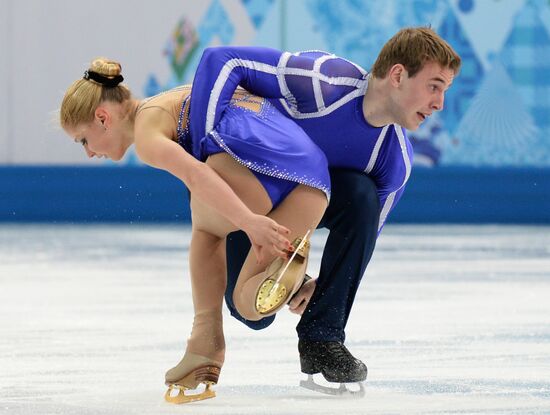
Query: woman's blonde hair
(413, 47)
(84, 95)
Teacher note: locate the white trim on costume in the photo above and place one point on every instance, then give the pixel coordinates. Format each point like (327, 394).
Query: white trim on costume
(334, 106)
(406, 159)
(376, 149)
(386, 209)
(283, 60)
(222, 78)
(317, 82)
(290, 105)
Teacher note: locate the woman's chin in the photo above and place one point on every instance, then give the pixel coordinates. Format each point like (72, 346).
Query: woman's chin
(116, 157)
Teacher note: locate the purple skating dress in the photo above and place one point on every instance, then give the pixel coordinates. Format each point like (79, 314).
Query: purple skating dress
(252, 131)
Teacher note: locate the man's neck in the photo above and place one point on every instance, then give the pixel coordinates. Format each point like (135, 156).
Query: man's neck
(375, 103)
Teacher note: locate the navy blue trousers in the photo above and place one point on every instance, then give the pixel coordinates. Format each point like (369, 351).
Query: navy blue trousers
(352, 219)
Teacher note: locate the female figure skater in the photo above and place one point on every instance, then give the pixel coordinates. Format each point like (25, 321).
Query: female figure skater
(256, 171)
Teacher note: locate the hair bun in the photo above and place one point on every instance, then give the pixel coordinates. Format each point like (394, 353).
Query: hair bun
(106, 67)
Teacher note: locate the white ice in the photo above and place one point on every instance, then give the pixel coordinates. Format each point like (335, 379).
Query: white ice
(449, 319)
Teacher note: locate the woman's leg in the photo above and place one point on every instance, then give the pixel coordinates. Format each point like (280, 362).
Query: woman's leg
(206, 345)
(300, 211)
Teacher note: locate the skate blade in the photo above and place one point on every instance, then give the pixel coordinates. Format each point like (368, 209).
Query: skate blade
(182, 397)
(343, 390)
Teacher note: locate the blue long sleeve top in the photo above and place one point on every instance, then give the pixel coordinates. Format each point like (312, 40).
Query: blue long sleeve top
(323, 93)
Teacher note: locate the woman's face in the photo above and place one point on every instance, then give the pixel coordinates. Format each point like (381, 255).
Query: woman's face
(101, 138)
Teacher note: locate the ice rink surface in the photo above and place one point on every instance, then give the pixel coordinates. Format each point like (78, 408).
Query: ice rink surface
(449, 319)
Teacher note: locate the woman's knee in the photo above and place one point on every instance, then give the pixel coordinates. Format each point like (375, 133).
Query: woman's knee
(302, 208)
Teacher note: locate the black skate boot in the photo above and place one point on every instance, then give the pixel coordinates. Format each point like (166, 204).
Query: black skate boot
(335, 362)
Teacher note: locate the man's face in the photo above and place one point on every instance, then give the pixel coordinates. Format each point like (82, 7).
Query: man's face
(417, 97)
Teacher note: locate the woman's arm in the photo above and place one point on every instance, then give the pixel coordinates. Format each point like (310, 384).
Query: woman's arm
(156, 149)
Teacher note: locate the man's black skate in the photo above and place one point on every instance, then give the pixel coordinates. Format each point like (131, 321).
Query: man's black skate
(332, 359)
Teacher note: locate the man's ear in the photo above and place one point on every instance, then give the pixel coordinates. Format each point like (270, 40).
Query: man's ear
(396, 74)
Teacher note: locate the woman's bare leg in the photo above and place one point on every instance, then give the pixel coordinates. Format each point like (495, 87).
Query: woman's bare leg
(206, 345)
(300, 211)
(207, 254)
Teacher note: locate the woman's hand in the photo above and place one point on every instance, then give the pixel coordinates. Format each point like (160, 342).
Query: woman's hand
(268, 238)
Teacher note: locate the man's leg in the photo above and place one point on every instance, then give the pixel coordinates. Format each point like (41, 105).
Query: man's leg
(352, 218)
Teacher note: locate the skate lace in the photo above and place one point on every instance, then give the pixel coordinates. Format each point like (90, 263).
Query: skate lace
(339, 351)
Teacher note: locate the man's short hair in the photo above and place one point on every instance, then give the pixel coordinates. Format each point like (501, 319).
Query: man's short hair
(413, 47)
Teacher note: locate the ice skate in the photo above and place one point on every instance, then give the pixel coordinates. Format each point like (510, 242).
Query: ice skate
(353, 390)
(284, 277)
(191, 372)
(342, 372)
(200, 367)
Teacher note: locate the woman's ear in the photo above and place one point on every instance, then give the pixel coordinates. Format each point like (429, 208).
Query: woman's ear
(103, 117)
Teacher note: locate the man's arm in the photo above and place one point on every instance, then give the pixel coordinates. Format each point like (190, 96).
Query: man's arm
(220, 71)
(309, 83)
(388, 200)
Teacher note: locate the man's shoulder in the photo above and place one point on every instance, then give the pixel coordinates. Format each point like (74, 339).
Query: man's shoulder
(402, 140)
(399, 131)
(327, 64)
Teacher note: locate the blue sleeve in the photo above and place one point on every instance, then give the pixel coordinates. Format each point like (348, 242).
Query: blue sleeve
(220, 71)
(265, 72)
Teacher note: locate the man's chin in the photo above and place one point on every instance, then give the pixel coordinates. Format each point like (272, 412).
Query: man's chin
(412, 127)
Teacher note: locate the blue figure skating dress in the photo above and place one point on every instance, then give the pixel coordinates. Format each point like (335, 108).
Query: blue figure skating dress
(252, 131)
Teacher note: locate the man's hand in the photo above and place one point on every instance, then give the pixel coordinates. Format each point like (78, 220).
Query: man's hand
(302, 297)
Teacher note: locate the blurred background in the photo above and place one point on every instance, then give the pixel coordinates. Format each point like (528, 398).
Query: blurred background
(484, 159)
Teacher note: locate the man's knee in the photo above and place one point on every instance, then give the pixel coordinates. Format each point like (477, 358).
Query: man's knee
(362, 202)
(364, 194)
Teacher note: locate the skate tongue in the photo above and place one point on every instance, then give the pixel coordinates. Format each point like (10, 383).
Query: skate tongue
(351, 390)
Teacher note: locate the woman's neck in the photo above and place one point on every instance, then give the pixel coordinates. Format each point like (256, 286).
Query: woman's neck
(131, 109)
